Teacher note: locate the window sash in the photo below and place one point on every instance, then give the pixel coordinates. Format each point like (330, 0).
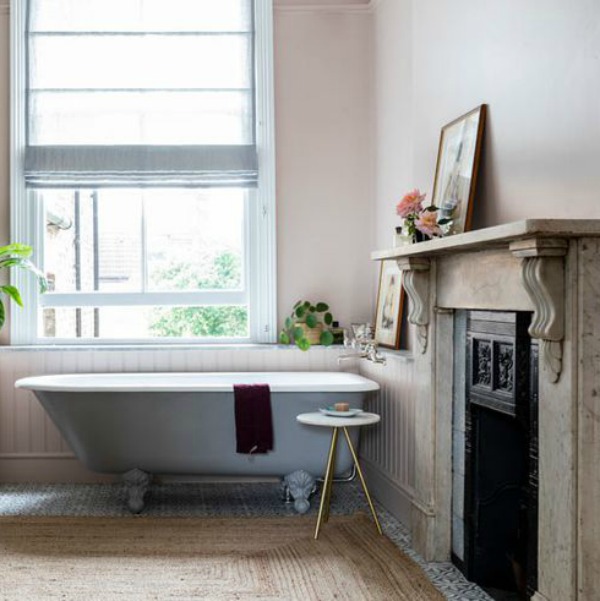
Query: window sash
(166, 299)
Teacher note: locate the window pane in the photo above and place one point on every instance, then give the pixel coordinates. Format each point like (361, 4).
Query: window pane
(183, 240)
(195, 239)
(120, 260)
(146, 322)
(93, 241)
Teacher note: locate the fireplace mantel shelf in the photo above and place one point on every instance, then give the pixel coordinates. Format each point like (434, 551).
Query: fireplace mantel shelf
(494, 237)
(540, 246)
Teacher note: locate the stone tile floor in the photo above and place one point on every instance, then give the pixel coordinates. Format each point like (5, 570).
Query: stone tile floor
(218, 499)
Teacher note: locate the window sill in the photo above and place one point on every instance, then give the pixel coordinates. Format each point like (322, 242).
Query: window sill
(163, 347)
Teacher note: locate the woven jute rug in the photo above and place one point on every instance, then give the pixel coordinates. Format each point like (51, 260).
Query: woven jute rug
(241, 559)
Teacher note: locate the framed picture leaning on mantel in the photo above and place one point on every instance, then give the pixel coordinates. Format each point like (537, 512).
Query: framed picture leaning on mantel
(456, 169)
(390, 300)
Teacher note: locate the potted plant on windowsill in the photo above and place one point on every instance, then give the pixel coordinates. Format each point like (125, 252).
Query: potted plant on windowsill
(307, 325)
(17, 255)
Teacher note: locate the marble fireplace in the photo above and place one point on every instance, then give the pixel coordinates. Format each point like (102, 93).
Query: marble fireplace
(550, 268)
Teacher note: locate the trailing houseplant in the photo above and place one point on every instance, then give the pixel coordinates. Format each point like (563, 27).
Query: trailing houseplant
(308, 324)
(17, 256)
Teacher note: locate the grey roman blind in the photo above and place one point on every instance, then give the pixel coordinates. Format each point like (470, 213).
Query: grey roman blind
(140, 92)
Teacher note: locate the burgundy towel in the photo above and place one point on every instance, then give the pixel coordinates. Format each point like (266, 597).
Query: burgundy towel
(253, 419)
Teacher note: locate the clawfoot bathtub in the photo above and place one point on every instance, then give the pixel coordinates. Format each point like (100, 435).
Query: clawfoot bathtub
(138, 424)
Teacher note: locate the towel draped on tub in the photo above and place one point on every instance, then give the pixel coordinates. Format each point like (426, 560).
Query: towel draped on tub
(253, 418)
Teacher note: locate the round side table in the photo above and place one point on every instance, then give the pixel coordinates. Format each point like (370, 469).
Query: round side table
(337, 424)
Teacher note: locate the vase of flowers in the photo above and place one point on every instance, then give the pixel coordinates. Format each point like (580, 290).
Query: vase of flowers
(420, 222)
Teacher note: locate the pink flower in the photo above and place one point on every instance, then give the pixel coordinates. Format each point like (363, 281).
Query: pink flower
(427, 223)
(411, 203)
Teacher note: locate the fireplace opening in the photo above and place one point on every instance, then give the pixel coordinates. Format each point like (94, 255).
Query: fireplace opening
(499, 460)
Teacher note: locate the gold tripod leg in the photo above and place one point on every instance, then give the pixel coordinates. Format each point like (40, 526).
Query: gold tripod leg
(330, 486)
(327, 481)
(362, 480)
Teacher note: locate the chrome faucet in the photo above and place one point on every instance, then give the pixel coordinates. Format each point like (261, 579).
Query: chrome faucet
(368, 351)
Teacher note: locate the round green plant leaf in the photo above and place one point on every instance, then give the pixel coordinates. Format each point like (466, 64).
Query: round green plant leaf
(326, 338)
(328, 319)
(303, 344)
(322, 307)
(300, 311)
(311, 320)
(298, 333)
(284, 338)
(288, 322)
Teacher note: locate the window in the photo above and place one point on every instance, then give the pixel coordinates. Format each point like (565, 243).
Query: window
(143, 169)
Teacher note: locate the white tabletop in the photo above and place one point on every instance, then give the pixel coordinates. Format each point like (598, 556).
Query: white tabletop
(318, 419)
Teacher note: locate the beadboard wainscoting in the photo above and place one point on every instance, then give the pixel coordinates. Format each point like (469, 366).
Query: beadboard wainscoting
(388, 451)
(32, 450)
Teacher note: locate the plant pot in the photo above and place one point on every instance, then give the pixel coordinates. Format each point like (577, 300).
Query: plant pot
(313, 335)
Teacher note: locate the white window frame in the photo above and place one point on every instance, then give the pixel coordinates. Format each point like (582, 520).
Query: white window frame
(27, 224)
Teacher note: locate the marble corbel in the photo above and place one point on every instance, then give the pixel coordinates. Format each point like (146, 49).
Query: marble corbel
(415, 279)
(543, 275)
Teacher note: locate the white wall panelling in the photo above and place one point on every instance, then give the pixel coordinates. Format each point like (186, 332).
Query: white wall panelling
(388, 449)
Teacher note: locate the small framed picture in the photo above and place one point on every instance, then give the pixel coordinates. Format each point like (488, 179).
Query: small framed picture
(390, 300)
(456, 170)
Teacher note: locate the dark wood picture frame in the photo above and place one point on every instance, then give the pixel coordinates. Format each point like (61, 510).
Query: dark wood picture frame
(456, 169)
(390, 303)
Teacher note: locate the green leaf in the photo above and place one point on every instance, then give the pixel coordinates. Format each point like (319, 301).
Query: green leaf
(311, 320)
(13, 293)
(328, 318)
(288, 322)
(298, 333)
(12, 262)
(300, 311)
(306, 304)
(312, 308)
(322, 307)
(444, 221)
(326, 338)
(431, 208)
(297, 304)
(22, 250)
(2, 313)
(303, 344)
(284, 338)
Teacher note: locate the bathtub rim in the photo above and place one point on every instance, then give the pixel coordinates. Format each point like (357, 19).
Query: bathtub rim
(306, 381)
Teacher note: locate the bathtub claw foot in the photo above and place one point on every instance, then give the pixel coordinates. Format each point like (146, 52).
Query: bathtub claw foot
(137, 483)
(300, 485)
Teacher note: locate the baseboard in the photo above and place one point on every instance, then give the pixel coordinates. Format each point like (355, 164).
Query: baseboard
(539, 597)
(393, 496)
(48, 470)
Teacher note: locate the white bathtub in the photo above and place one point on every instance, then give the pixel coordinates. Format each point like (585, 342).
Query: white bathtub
(183, 423)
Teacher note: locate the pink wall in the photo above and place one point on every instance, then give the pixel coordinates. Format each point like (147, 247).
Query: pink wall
(325, 203)
(537, 65)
